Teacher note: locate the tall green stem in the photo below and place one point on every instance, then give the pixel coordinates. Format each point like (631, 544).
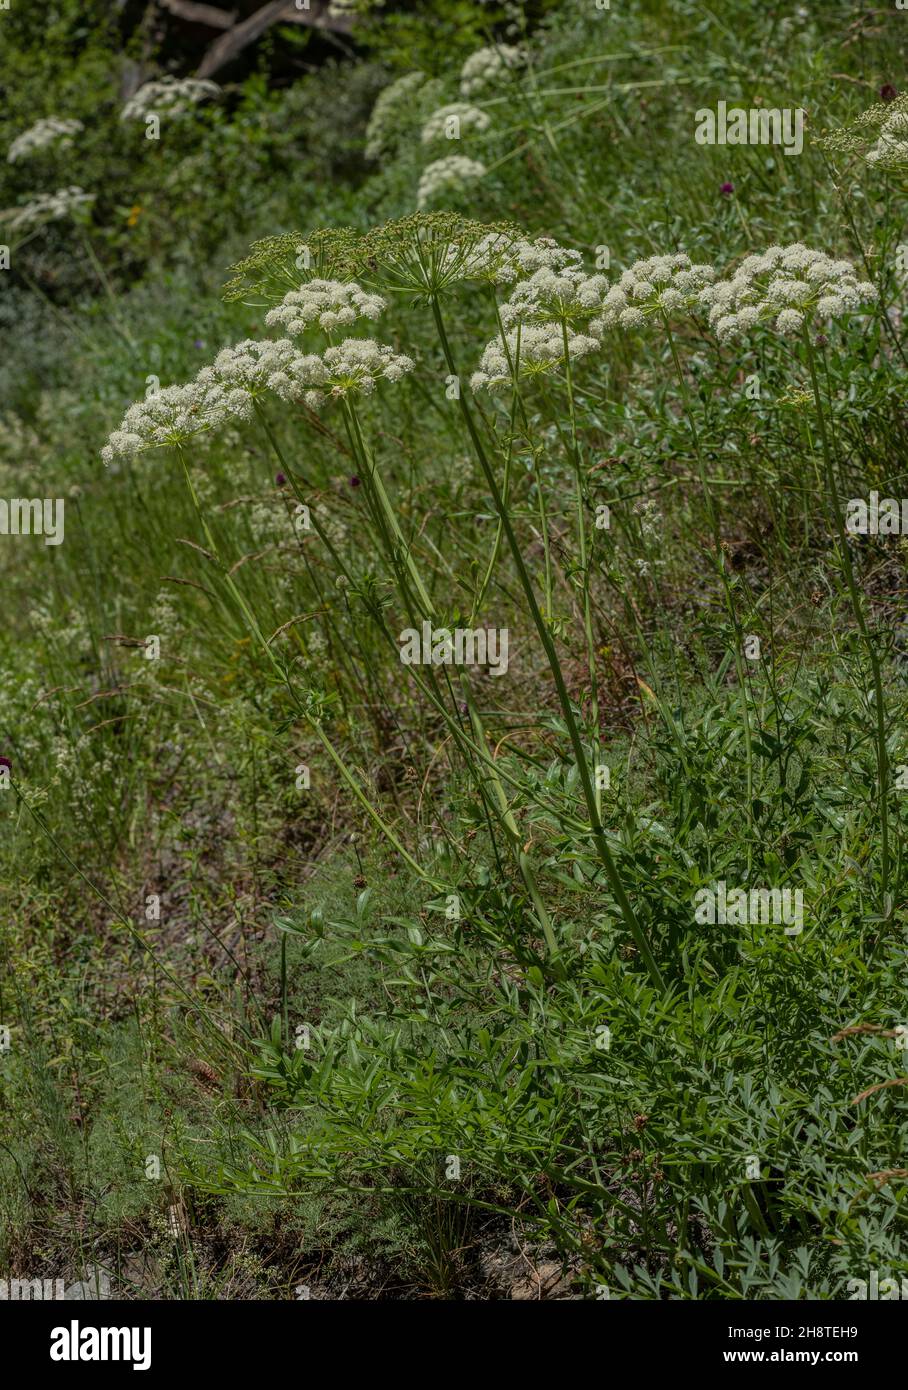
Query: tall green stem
(314, 723)
(882, 756)
(597, 829)
(392, 533)
(585, 569)
(713, 511)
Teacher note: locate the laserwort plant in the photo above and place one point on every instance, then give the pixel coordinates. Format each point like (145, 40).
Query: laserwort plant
(461, 739)
(429, 257)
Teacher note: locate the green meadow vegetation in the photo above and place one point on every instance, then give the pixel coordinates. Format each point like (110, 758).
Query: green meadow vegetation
(334, 963)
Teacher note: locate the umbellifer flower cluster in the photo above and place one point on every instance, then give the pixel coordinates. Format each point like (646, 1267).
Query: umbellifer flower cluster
(223, 391)
(892, 146)
(490, 259)
(278, 263)
(500, 258)
(448, 122)
(446, 174)
(171, 96)
(659, 285)
(545, 254)
(541, 318)
(486, 67)
(393, 111)
(427, 252)
(555, 296)
(241, 374)
(228, 388)
(169, 415)
(358, 364)
(327, 303)
(785, 286)
(51, 131)
(886, 122)
(532, 350)
(49, 207)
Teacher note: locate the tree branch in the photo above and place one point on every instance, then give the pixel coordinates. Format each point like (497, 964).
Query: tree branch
(239, 36)
(209, 15)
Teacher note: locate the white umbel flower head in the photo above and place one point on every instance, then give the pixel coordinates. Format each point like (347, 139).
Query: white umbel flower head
(223, 392)
(485, 68)
(555, 296)
(50, 131)
(357, 365)
(171, 96)
(447, 175)
(450, 122)
(239, 375)
(328, 304)
(532, 350)
(545, 254)
(168, 416)
(784, 287)
(658, 285)
(49, 207)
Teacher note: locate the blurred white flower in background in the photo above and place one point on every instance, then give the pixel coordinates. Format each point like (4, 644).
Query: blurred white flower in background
(448, 122)
(393, 110)
(170, 96)
(445, 175)
(487, 66)
(49, 207)
(51, 131)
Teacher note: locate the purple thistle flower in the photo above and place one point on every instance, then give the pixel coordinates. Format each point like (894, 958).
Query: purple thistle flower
(727, 190)
(280, 479)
